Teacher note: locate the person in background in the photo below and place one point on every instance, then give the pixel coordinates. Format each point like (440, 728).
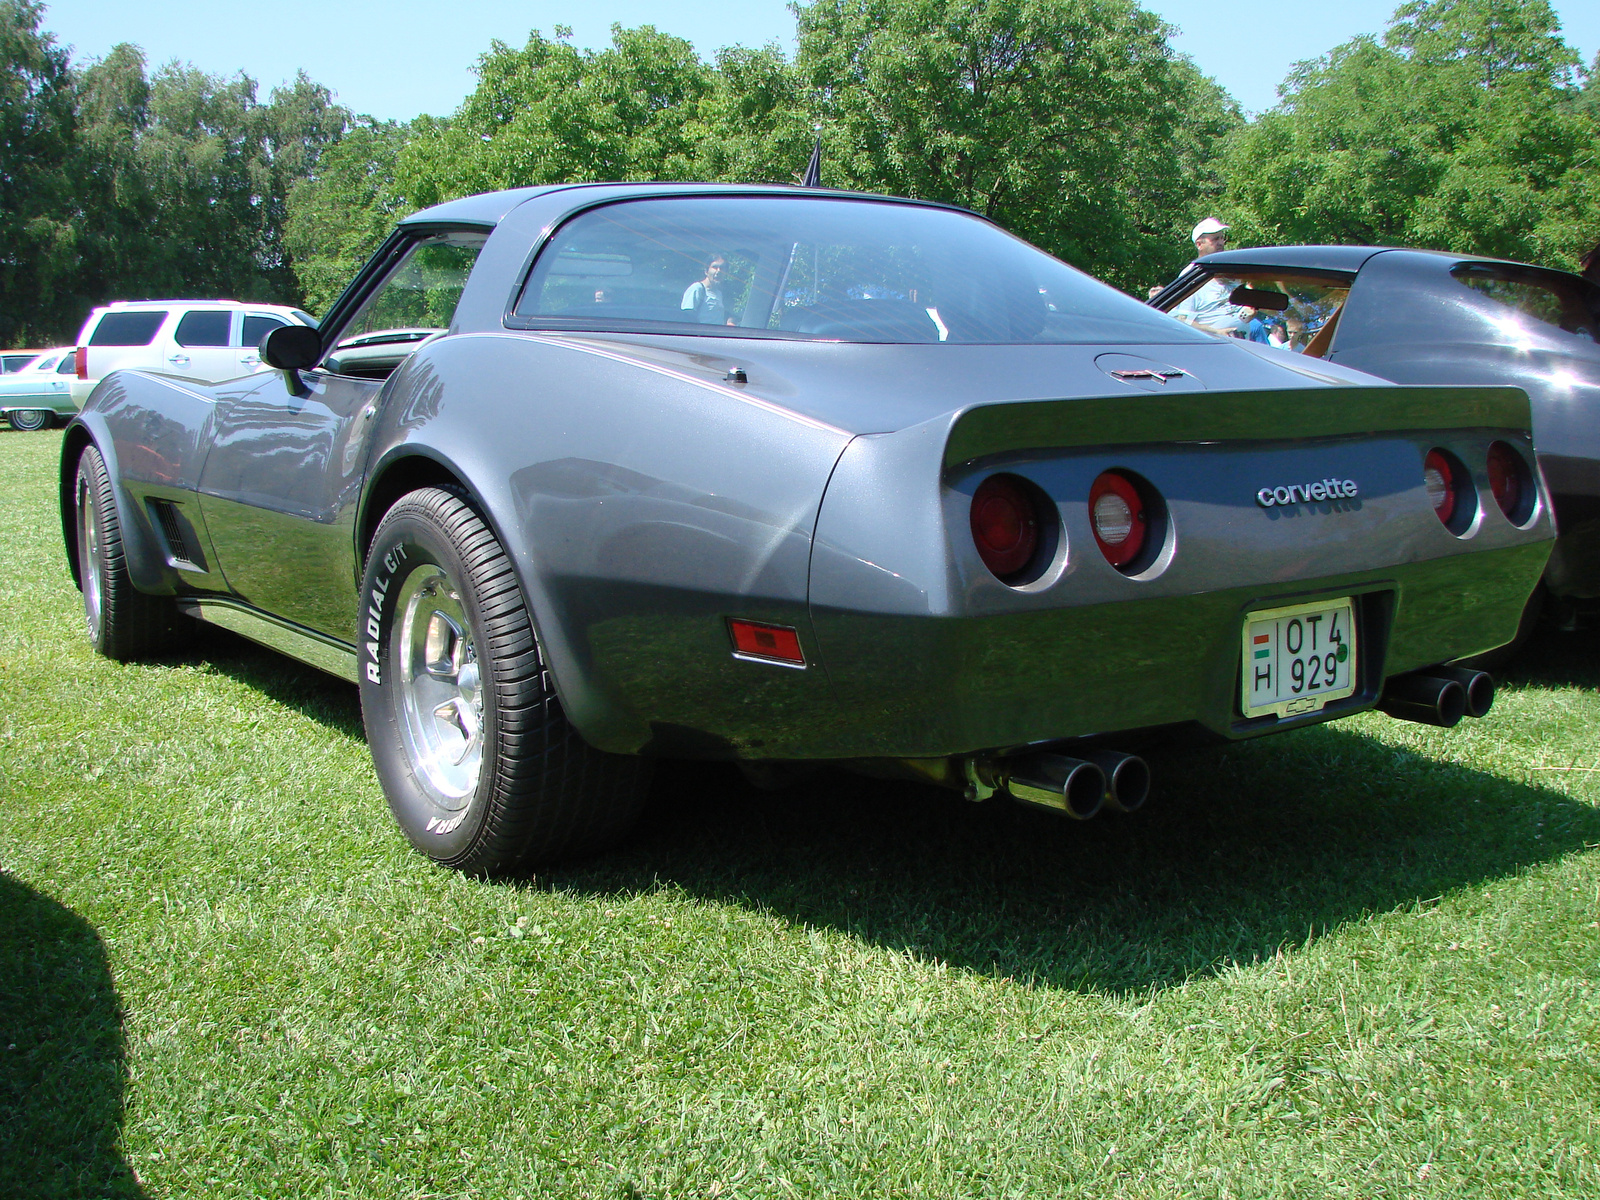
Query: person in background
(704, 297)
(1207, 307)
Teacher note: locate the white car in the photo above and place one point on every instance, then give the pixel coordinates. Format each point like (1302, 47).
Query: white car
(33, 397)
(210, 340)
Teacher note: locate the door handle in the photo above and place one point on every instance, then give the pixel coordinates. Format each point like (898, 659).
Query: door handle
(179, 360)
(250, 360)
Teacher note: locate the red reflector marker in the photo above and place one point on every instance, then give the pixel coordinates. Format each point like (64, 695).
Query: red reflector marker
(80, 361)
(776, 642)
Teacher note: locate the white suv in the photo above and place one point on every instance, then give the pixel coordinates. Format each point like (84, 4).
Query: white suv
(210, 340)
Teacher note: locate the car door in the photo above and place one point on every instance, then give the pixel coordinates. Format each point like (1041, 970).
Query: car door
(282, 480)
(204, 345)
(253, 328)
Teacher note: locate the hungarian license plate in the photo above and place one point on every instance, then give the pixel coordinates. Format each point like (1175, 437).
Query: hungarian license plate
(1296, 659)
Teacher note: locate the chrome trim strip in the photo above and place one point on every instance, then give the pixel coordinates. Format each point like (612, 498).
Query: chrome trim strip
(301, 644)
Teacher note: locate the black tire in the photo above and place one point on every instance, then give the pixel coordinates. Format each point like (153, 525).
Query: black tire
(123, 622)
(30, 420)
(481, 767)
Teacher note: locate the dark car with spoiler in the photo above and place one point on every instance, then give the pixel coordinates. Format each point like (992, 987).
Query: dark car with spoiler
(574, 478)
(1425, 316)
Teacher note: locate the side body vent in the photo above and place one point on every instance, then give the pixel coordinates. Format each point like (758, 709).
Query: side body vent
(175, 530)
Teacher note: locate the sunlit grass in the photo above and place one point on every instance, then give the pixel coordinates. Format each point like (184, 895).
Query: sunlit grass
(1360, 960)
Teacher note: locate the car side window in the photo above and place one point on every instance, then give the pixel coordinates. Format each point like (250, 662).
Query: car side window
(127, 328)
(416, 300)
(1563, 303)
(204, 327)
(257, 327)
(68, 365)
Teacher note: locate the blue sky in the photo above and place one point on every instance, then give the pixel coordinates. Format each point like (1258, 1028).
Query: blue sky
(398, 58)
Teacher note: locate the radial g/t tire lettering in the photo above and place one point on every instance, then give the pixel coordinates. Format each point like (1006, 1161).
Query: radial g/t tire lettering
(123, 622)
(481, 768)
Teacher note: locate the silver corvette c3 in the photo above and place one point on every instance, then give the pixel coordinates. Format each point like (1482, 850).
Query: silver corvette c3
(571, 478)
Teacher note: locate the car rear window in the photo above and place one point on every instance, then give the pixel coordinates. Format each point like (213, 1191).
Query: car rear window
(1559, 302)
(824, 269)
(1309, 301)
(203, 327)
(127, 328)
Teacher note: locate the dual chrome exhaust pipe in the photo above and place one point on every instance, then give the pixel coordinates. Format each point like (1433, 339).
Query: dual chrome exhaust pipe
(1439, 696)
(1076, 787)
(1080, 787)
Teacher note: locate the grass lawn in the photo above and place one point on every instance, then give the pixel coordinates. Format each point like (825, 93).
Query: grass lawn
(1360, 960)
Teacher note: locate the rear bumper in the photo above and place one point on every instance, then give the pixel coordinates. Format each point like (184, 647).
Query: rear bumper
(925, 687)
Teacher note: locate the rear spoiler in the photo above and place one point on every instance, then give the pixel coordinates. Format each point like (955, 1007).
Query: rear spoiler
(1269, 415)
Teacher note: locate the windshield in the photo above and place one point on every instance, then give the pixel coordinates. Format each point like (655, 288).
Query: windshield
(821, 269)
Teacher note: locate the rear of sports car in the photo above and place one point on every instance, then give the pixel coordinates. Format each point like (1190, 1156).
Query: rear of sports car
(1043, 572)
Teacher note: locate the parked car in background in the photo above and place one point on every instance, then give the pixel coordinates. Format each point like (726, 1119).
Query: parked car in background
(576, 477)
(36, 396)
(1422, 316)
(15, 360)
(210, 340)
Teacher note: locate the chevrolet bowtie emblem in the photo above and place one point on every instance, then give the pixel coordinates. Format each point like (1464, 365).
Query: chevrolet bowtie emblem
(1146, 373)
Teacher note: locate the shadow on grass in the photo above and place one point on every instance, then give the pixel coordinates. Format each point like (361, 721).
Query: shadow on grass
(1242, 850)
(61, 1054)
(315, 694)
(1553, 658)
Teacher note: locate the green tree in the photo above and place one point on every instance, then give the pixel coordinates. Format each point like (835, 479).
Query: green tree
(550, 113)
(755, 125)
(344, 206)
(38, 245)
(1071, 122)
(1465, 129)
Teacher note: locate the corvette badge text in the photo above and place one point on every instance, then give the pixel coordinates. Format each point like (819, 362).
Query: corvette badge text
(1308, 493)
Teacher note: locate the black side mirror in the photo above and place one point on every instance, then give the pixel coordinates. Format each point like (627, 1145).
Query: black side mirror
(1252, 298)
(291, 347)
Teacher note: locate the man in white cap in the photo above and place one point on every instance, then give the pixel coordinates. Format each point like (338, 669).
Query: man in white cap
(1207, 306)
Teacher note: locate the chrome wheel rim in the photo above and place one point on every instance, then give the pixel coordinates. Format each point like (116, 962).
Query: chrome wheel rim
(89, 562)
(441, 697)
(29, 420)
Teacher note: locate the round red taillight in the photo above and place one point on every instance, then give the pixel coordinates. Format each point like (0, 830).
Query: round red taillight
(1439, 480)
(1508, 479)
(1005, 527)
(1117, 514)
